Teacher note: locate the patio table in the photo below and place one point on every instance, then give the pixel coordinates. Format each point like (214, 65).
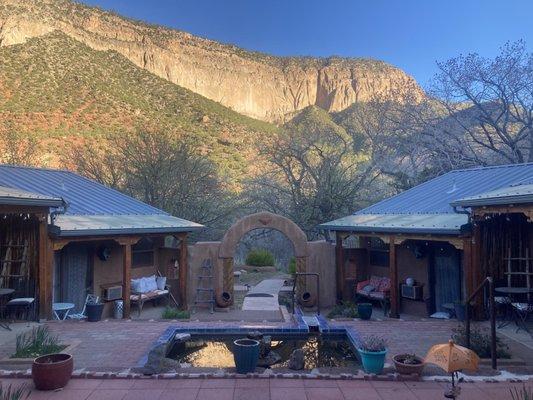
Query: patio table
(5, 293)
(61, 310)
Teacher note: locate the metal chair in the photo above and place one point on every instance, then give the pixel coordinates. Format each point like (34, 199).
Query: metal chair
(91, 298)
(522, 312)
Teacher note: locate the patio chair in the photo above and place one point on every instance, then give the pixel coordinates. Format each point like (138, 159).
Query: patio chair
(91, 298)
(522, 312)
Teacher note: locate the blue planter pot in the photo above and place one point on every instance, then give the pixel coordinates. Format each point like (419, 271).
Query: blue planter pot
(373, 362)
(246, 355)
(364, 310)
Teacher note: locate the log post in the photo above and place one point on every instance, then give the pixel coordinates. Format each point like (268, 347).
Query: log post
(339, 259)
(45, 269)
(393, 267)
(183, 272)
(126, 278)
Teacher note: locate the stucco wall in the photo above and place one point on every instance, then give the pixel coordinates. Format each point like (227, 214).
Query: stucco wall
(321, 259)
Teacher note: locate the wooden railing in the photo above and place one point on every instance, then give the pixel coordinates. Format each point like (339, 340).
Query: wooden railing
(487, 282)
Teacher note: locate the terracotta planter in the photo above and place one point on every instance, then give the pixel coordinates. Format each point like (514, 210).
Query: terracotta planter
(52, 371)
(407, 369)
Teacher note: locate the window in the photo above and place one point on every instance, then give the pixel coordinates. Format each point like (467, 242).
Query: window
(378, 252)
(142, 253)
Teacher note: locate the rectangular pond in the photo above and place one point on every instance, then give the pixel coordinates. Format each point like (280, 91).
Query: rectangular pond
(331, 351)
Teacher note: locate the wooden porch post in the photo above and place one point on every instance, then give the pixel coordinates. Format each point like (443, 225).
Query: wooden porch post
(45, 269)
(393, 267)
(183, 272)
(467, 266)
(126, 278)
(339, 259)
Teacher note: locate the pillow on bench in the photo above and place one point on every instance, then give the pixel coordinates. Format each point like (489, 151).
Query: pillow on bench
(144, 285)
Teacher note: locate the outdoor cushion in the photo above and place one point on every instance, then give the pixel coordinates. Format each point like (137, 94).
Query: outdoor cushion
(376, 295)
(524, 307)
(368, 288)
(136, 285)
(161, 282)
(384, 285)
(440, 315)
(375, 281)
(21, 301)
(502, 300)
(149, 284)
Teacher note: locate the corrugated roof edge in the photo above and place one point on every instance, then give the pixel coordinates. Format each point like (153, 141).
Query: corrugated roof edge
(405, 230)
(362, 211)
(85, 178)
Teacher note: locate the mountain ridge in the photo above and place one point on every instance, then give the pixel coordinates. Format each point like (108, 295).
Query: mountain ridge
(255, 84)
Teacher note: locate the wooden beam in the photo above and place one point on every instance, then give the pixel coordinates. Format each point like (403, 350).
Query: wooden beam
(183, 272)
(339, 260)
(14, 209)
(480, 212)
(126, 278)
(467, 266)
(45, 269)
(393, 267)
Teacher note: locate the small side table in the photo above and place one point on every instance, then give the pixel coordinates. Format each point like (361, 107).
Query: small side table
(61, 310)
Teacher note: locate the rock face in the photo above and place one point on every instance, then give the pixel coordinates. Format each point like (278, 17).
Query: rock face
(258, 85)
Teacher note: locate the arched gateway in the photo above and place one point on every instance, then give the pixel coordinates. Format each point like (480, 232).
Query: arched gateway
(261, 220)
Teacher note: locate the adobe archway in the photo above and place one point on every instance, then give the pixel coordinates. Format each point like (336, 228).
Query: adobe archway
(261, 220)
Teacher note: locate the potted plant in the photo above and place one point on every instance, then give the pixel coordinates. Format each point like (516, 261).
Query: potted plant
(408, 364)
(460, 310)
(373, 350)
(94, 309)
(52, 371)
(246, 355)
(364, 310)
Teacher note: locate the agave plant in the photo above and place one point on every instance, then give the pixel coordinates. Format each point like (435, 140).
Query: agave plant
(525, 393)
(11, 392)
(37, 342)
(373, 343)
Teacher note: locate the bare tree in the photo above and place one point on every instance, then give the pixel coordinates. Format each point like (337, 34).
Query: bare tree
(488, 105)
(163, 170)
(314, 174)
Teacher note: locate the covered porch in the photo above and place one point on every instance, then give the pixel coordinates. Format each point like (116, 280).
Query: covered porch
(425, 271)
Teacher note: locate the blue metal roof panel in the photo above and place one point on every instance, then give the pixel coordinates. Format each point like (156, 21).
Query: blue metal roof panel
(508, 195)
(435, 195)
(84, 196)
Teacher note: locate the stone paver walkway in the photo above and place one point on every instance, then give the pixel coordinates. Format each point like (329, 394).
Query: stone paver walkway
(270, 289)
(264, 389)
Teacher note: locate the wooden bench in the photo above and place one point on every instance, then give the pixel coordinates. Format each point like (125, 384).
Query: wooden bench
(140, 298)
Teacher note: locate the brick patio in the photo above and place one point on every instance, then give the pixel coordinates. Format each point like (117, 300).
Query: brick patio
(264, 389)
(116, 346)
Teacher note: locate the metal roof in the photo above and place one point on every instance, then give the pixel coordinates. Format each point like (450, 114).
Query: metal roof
(509, 195)
(76, 225)
(11, 196)
(86, 198)
(430, 203)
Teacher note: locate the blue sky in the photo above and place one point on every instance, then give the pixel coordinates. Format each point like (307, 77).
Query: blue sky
(411, 34)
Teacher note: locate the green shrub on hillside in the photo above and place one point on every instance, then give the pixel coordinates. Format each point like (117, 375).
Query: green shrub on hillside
(260, 258)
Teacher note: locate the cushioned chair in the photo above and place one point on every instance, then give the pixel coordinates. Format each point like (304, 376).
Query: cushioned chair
(23, 307)
(376, 288)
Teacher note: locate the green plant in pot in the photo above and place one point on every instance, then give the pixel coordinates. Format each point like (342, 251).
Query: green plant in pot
(373, 350)
(408, 364)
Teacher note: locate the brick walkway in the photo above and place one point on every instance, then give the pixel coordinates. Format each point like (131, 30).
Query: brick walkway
(264, 389)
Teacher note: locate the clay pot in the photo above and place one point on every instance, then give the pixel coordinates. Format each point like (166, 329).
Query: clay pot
(52, 371)
(407, 369)
(224, 299)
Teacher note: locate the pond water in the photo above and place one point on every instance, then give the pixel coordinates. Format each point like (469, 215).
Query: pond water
(320, 351)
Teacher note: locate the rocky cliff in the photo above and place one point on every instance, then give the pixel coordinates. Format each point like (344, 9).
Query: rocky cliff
(261, 86)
